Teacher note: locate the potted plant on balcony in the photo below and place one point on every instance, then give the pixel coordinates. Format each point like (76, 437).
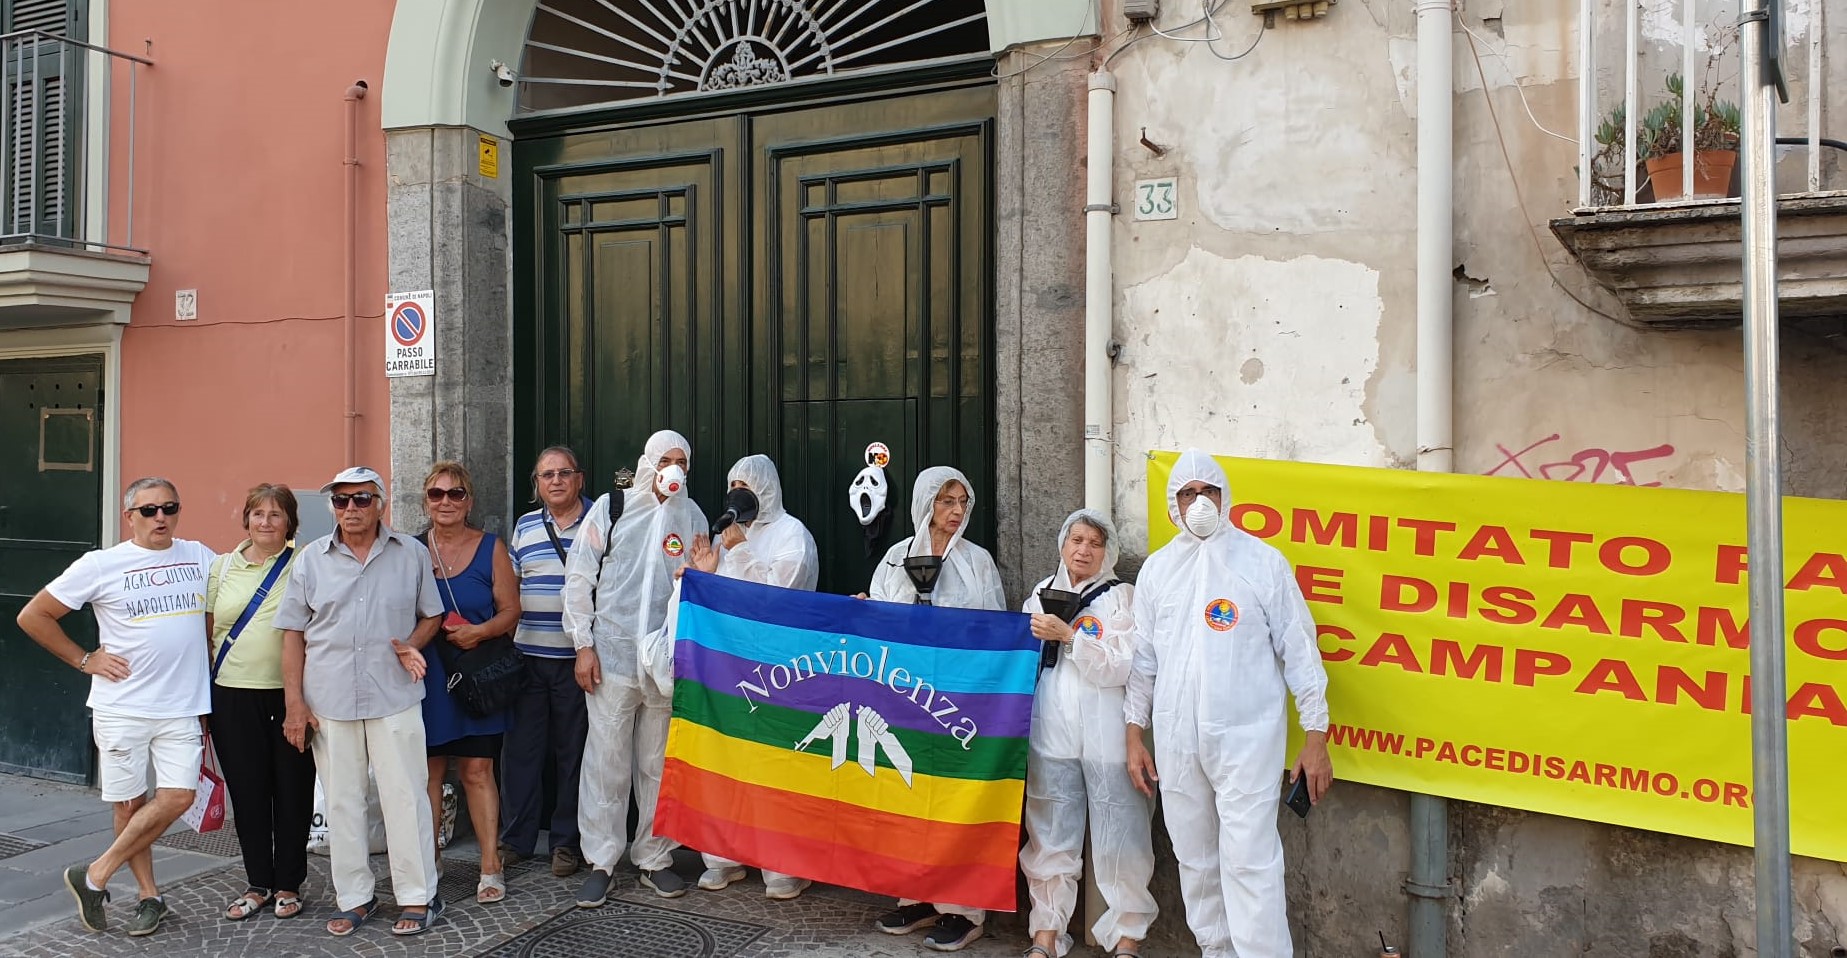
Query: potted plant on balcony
(1715, 143)
(1659, 153)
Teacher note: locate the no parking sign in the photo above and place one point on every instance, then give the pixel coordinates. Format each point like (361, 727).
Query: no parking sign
(410, 334)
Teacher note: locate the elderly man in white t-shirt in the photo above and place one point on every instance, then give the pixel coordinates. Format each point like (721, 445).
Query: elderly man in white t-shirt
(149, 685)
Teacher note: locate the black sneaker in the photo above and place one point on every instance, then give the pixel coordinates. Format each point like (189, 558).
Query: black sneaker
(595, 891)
(905, 919)
(147, 917)
(89, 903)
(952, 933)
(666, 882)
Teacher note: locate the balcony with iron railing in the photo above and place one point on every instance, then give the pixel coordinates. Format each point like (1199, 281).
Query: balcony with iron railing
(69, 251)
(1657, 217)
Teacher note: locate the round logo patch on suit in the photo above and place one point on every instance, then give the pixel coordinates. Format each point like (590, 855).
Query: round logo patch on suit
(1221, 615)
(673, 546)
(1089, 626)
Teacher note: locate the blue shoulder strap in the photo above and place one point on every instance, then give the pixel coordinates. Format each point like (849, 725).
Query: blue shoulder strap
(250, 611)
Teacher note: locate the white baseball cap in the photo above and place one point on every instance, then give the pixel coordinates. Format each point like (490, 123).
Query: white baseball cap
(355, 474)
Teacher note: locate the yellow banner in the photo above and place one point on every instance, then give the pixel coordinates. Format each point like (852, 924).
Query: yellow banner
(1566, 648)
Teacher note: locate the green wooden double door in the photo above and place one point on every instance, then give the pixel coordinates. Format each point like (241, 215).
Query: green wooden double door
(51, 471)
(795, 282)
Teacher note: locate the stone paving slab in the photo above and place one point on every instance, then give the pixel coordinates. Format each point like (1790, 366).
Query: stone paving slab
(826, 922)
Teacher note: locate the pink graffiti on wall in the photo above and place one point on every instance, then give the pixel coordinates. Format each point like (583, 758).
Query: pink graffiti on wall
(1590, 464)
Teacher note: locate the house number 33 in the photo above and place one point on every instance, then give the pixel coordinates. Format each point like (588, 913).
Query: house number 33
(1157, 199)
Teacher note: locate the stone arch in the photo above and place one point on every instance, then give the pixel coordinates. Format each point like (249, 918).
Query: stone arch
(436, 66)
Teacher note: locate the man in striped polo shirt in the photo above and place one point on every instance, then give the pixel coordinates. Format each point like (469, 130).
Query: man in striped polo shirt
(549, 720)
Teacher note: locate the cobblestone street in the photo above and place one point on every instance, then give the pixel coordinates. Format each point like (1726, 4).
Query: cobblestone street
(538, 919)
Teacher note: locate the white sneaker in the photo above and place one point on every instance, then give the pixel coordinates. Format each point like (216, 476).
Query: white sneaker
(716, 879)
(783, 888)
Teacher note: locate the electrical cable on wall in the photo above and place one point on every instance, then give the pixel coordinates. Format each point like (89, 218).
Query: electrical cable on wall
(1526, 217)
(1510, 72)
(1208, 16)
(191, 323)
(1055, 54)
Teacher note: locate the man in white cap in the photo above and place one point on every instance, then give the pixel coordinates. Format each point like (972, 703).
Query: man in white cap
(616, 585)
(360, 607)
(1221, 633)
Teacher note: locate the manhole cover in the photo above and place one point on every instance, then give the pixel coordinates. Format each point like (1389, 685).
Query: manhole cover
(11, 845)
(219, 844)
(631, 930)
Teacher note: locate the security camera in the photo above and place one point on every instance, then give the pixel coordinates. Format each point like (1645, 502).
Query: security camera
(503, 73)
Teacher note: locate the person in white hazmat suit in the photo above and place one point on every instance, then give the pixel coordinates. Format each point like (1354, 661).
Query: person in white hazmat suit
(774, 549)
(941, 503)
(1221, 631)
(1076, 768)
(616, 588)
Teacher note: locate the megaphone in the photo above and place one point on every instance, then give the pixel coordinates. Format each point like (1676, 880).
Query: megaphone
(923, 571)
(740, 506)
(1065, 606)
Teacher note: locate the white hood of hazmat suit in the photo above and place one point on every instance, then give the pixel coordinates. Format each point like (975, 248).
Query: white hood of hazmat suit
(778, 550)
(969, 579)
(612, 614)
(1077, 767)
(1222, 632)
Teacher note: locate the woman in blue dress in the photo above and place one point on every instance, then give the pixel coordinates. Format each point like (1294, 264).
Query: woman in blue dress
(480, 592)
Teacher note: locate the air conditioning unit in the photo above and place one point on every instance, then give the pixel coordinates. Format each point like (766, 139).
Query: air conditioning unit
(1141, 11)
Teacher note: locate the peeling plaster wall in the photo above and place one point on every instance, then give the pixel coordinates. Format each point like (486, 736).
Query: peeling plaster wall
(1276, 318)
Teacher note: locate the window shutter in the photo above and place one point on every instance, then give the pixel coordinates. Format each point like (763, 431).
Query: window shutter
(51, 16)
(37, 191)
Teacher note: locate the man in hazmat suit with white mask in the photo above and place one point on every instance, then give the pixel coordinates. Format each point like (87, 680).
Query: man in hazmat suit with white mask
(1221, 631)
(1075, 768)
(772, 549)
(941, 503)
(616, 587)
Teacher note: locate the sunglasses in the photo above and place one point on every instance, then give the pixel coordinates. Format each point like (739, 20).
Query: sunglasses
(436, 494)
(165, 509)
(550, 474)
(363, 500)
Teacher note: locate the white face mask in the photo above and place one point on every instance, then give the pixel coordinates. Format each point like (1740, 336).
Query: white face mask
(867, 494)
(670, 481)
(1202, 518)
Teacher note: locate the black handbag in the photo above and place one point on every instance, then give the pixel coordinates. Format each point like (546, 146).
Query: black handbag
(483, 680)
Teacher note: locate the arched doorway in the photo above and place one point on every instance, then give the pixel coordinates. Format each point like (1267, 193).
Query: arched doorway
(452, 229)
(723, 228)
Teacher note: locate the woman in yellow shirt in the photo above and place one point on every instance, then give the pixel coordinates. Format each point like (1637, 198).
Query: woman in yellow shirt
(271, 781)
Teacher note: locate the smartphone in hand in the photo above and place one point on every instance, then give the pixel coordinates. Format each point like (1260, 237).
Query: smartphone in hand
(1297, 799)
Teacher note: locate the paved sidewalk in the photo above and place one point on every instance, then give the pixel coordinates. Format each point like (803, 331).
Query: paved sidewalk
(60, 825)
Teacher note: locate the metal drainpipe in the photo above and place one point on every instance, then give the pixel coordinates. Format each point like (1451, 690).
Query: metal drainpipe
(1099, 293)
(354, 94)
(1428, 883)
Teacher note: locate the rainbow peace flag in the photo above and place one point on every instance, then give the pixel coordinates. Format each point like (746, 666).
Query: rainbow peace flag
(866, 744)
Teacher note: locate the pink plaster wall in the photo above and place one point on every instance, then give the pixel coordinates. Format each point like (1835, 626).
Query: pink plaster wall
(240, 196)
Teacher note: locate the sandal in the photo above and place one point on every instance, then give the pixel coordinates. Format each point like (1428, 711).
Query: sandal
(288, 907)
(354, 918)
(249, 904)
(409, 924)
(493, 888)
(1037, 950)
